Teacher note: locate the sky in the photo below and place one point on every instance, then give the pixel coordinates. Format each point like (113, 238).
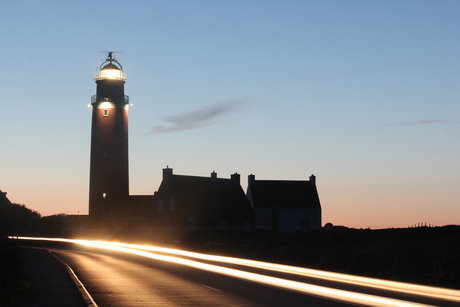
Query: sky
(363, 94)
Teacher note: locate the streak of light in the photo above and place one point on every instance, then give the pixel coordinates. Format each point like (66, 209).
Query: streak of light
(426, 291)
(329, 293)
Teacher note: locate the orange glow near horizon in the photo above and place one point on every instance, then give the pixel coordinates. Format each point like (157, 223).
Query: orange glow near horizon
(330, 293)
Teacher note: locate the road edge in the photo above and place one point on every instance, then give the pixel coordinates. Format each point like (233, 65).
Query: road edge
(86, 296)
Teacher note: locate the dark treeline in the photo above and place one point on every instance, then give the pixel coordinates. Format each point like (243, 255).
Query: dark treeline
(15, 217)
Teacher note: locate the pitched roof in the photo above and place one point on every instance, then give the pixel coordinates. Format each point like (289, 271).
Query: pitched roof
(3, 199)
(285, 194)
(205, 194)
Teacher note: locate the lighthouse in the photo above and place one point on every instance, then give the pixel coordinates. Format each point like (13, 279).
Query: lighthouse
(109, 175)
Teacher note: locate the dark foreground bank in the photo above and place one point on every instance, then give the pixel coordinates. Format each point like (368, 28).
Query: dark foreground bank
(35, 278)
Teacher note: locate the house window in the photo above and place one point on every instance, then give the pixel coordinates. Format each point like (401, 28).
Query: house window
(106, 113)
(171, 204)
(160, 205)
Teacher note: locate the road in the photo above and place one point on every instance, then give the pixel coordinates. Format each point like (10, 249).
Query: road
(125, 275)
(114, 280)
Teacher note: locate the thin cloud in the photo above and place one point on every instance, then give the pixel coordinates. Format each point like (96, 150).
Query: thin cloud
(196, 119)
(424, 122)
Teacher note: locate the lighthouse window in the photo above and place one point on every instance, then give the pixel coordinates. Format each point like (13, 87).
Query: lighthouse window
(106, 113)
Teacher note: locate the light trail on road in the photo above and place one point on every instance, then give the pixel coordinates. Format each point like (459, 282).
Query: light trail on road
(326, 292)
(426, 291)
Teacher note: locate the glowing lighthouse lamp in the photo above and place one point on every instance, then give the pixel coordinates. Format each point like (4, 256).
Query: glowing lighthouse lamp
(110, 70)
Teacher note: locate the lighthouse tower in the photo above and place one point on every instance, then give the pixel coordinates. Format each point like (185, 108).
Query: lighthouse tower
(109, 176)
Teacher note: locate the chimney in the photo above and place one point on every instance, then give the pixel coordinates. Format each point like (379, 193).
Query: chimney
(236, 178)
(167, 173)
(313, 180)
(214, 174)
(251, 179)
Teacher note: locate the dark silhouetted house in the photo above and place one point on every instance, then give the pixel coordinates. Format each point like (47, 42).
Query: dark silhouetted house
(3, 199)
(285, 205)
(5, 223)
(201, 203)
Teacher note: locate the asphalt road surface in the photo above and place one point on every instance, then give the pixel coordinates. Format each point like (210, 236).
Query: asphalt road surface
(113, 279)
(116, 274)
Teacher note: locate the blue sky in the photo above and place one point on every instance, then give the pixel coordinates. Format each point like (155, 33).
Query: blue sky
(363, 94)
